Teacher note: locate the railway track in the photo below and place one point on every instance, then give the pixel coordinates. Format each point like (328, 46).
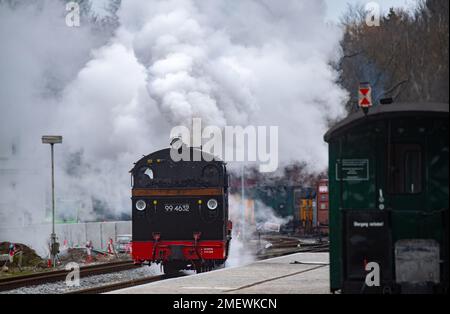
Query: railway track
(119, 285)
(317, 248)
(60, 275)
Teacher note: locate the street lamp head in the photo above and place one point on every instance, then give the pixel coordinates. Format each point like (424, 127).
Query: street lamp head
(52, 139)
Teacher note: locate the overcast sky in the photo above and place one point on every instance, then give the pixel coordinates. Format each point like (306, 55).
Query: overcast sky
(337, 7)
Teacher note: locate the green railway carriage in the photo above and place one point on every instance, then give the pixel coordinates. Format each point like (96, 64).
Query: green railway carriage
(388, 176)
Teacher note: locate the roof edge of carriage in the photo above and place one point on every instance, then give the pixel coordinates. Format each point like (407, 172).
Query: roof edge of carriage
(391, 110)
(165, 154)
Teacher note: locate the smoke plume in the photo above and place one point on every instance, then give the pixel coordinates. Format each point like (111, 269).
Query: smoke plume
(115, 97)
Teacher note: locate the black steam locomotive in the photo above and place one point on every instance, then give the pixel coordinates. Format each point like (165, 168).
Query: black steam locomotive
(180, 212)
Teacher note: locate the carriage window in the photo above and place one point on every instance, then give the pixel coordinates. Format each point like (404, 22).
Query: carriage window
(149, 173)
(405, 175)
(412, 172)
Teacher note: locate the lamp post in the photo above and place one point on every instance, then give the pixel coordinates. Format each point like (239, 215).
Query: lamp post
(243, 225)
(54, 246)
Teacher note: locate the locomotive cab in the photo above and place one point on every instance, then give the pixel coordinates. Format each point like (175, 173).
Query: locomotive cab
(180, 212)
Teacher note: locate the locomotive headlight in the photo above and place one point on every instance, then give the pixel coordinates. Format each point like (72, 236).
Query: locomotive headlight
(141, 205)
(212, 204)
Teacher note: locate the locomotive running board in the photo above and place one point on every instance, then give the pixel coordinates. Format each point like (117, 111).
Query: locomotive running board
(177, 192)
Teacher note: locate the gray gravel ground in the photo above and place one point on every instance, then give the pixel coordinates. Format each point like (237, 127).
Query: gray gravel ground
(90, 282)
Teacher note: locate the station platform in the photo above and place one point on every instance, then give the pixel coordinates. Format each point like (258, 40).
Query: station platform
(303, 273)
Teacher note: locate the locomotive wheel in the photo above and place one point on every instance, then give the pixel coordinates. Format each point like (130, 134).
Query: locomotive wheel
(203, 269)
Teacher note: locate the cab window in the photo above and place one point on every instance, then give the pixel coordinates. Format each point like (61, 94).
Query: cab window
(405, 169)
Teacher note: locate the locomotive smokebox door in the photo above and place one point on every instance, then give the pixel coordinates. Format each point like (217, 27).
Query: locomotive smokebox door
(367, 240)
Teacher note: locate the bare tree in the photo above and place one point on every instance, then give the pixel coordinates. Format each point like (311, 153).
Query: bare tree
(405, 58)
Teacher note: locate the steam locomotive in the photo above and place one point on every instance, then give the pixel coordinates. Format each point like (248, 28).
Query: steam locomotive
(180, 212)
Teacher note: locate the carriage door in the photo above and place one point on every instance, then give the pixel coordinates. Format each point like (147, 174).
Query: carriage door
(366, 227)
(416, 251)
(401, 186)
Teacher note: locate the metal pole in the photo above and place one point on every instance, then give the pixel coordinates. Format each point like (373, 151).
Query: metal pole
(53, 190)
(53, 236)
(54, 246)
(243, 200)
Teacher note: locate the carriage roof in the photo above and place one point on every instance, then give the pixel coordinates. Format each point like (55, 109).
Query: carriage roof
(384, 111)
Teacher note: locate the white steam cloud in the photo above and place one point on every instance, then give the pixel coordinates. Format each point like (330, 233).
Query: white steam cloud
(116, 98)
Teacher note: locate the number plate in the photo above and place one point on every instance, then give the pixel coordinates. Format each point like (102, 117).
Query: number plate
(177, 208)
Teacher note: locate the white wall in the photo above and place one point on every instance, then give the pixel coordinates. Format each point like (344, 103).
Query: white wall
(37, 236)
